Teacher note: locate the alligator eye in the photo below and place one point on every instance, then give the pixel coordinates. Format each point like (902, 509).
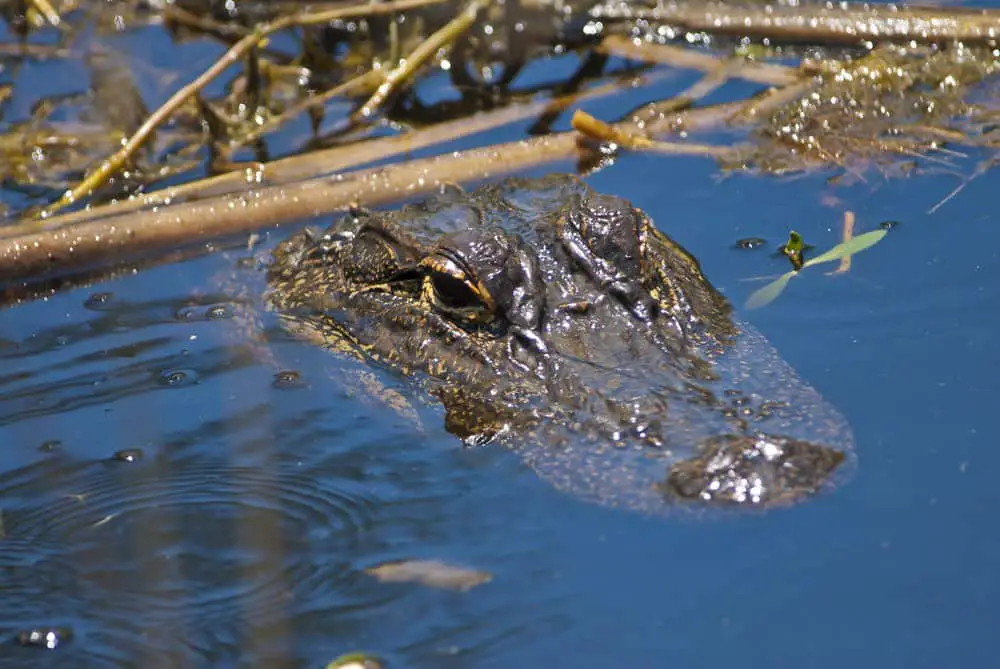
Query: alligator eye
(452, 293)
(451, 286)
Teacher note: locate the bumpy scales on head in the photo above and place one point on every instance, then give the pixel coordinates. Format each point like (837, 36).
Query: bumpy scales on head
(562, 322)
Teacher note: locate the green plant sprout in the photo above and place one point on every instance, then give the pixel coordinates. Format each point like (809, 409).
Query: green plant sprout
(794, 248)
(768, 293)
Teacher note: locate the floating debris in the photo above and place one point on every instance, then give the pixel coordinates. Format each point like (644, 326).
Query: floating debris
(356, 661)
(50, 446)
(128, 455)
(99, 301)
(177, 378)
(287, 380)
(49, 638)
(432, 573)
(751, 243)
(770, 292)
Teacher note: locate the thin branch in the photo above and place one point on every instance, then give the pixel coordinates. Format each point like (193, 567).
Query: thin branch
(233, 55)
(314, 164)
(665, 54)
(116, 238)
(820, 23)
(591, 127)
(408, 66)
(205, 24)
(359, 83)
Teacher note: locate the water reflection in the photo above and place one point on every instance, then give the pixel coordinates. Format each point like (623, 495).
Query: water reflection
(198, 549)
(241, 523)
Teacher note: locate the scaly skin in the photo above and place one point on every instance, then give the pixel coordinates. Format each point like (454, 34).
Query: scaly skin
(563, 323)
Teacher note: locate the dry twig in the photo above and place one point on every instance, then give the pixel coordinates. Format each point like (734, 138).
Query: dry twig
(118, 237)
(665, 54)
(310, 165)
(408, 66)
(847, 235)
(602, 132)
(233, 55)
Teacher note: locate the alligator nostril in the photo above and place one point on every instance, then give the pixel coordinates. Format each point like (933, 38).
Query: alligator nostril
(754, 470)
(522, 355)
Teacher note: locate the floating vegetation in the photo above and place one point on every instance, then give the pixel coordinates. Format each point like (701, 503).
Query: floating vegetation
(885, 108)
(356, 661)
(771, 291)
(141, 157)
(48, 638)
(750, 243)
(431, 573)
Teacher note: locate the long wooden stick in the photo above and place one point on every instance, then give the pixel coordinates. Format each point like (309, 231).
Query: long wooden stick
(118, 238)
(317, 163)
(675, 56)
(833, 23)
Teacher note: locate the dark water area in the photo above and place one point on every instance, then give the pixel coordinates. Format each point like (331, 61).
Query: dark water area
(179, 494)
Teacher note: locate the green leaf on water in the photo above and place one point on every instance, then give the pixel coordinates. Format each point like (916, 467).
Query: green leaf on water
(766, 295)
(848, 248)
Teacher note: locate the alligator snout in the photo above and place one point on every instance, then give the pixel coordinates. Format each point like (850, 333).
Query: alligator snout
(752, 470)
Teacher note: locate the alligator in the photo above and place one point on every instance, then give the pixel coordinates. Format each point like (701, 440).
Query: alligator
(562, 323)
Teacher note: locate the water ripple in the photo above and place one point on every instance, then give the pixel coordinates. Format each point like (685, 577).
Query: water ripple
(80, 388)
(194, 550)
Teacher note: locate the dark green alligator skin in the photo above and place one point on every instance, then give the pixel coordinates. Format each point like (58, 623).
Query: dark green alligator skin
(562, 323)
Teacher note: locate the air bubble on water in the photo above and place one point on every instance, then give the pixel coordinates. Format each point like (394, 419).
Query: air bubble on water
(219, 311)
(287, 380)
(98, 301)
(177, 378)
(128, 455)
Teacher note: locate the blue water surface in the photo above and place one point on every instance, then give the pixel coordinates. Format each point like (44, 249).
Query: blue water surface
(239, 533)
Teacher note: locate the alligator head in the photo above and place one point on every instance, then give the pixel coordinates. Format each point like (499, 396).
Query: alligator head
(562, 322)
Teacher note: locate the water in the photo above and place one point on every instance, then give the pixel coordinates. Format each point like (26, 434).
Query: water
(234, 525)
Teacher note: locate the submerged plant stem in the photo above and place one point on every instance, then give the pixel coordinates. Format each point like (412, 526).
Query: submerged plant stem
(847, 235)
